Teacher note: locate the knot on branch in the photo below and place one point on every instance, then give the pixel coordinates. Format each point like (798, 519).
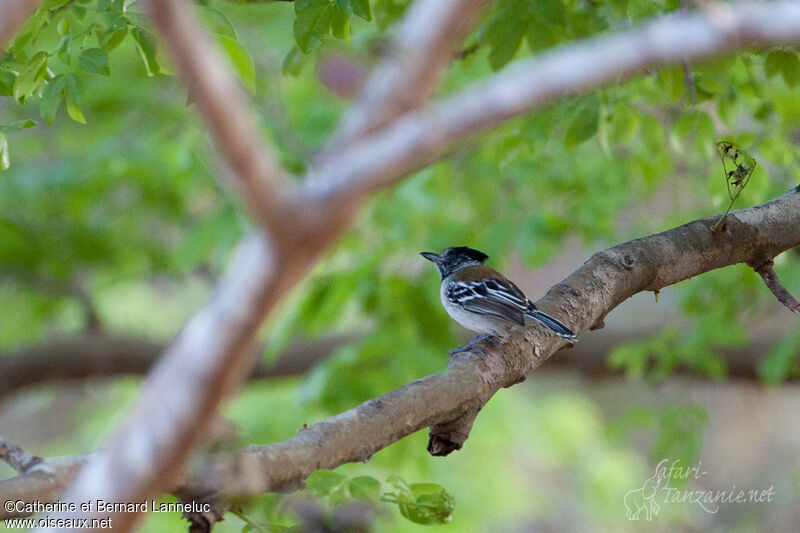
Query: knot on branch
(445, 438)
(201, 520)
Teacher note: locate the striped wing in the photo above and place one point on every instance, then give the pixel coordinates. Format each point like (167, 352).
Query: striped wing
(496, 297)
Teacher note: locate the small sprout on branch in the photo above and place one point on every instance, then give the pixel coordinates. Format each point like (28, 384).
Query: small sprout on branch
(422, 503)
(742, 166)
(767, 273)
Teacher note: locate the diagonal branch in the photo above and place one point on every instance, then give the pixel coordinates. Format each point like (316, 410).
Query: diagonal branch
(767, 273)
(222, 102)
(13, 13)
(420, 137)
(210, 357)
(449, 402)
(178, 401)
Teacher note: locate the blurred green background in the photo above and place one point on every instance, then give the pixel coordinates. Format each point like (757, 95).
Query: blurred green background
(120, 226)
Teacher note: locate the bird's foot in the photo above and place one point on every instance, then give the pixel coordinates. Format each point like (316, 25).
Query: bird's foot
(470, 347)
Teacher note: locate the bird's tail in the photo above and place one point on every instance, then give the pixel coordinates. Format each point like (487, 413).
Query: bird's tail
(559, 328)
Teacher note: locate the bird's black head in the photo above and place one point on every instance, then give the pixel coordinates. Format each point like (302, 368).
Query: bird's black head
(451, 259)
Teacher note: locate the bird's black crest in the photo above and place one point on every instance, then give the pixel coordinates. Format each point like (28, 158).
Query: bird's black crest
(465, 252)
(451, 259)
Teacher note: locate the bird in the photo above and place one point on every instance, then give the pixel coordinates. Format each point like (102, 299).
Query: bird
(483, 300)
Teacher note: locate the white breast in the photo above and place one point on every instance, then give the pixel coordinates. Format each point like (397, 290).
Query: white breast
(471, 321)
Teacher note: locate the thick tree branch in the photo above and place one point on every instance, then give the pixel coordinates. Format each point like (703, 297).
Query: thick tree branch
(44, 486)
(21, 461)
(96, 356)
(589, 358)
(13, 13)
(449, 402)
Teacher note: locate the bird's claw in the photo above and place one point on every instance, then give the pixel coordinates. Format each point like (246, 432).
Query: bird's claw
(471, 346)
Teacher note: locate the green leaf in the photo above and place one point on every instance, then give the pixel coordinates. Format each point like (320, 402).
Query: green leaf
(7, 79)
(73, 100)
(216, 22)
(698, 126)
(773, 65)
(5, 162)
(114, 38)
(365, 488)
(422, 503)
(52, 95)
(791, 69)
(361, 9)
(31, 76)
(241, 60)
(322, 482)
(783, 62)
(764, 110)
(506, 30)
(780, 360)
(340, 24)
(653, 134)
(95, 61)
(293, 62)
(16, 126)
(583, 125)
(625, 123)
(399, 483)
(62, 27)
(340, 494)
(147, 45)
(63, 49)
(344, 7)
(118, 23)
(52, 5)
(312, 23)
(672, 79)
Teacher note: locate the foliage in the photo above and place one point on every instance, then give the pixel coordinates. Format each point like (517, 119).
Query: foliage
(130, 209)
(742, 167)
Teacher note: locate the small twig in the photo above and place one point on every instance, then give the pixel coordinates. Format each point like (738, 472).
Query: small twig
(466, 52)
(767, 273)
(691, 90)
(21, 461)
(739, 176)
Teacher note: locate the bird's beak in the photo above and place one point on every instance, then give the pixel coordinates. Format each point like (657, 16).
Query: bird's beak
(430, 256)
